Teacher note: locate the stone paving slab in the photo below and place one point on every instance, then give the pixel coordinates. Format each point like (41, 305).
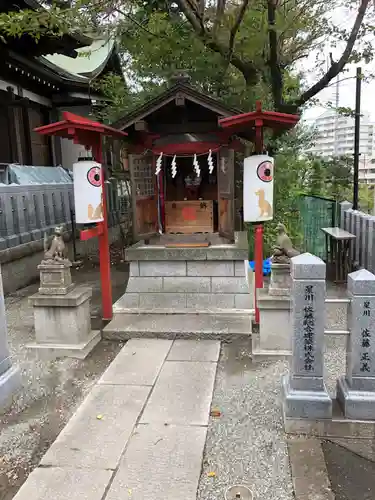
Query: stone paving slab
(138, 363)
(210, 326)
(309, 471)
(89, 441)
(182, 394)
(194, 350)
(62, 484)
(160, 463)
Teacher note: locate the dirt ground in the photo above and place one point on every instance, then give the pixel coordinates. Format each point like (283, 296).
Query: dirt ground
(51, 390)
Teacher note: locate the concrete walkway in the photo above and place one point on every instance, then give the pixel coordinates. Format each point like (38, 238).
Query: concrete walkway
(140, 434)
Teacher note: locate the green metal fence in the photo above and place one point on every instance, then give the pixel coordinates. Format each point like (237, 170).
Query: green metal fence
(315, 212)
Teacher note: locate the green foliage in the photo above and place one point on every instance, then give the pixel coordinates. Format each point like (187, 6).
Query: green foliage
(118, 98)
(240, 52)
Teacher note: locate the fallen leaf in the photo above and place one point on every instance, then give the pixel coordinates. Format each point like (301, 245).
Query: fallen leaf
(215, 413)
(211, 474)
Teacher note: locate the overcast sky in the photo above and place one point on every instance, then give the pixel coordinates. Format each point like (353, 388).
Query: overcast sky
(347, 86)
(347, 94)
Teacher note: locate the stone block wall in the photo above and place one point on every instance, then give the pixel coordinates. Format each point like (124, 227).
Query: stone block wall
(188, 284)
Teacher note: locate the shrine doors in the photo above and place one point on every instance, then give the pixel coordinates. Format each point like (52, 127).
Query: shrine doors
(144, 196)
(226, 190)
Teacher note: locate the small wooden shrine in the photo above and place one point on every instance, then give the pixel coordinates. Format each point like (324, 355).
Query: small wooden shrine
(178, 135)
(185, 154)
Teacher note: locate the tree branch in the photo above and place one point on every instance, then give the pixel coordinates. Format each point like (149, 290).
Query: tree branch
(201, 7)
(237, 23)
(220, 9)
(247, 68)
(273, 61)
(192, 15)
(337, 67)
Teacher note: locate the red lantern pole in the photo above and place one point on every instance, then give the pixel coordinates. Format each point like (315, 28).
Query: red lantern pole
(258, 236)
(89, 133)
(104, 254)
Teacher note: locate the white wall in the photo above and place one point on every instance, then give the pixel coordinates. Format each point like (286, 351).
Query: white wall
(70, 152)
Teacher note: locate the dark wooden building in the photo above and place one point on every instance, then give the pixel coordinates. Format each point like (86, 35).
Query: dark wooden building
(40, 79)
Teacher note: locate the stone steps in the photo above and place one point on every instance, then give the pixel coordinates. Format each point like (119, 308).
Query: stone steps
(187, 310)
(180, 284)
(220, 326)
(182, 300)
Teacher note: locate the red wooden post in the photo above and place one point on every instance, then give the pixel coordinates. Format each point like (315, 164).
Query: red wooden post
(104, 253)
(258, 237)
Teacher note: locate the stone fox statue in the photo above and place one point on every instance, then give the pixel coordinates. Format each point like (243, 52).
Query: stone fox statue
(57, 251)
(264, 206)
(283, 250)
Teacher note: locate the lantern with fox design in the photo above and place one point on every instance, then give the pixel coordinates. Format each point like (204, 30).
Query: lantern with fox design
(88, 192)
(258, 178)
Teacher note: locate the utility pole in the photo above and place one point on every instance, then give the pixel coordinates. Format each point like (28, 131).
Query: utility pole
(337, 102)
(357, 136)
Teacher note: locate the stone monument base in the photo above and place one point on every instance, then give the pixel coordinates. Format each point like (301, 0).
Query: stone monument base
(337, 427)
(309, 403)
(359, 405)
(55, 279)
(63, 324)
(78, 351)
(10, 382)
(280, 281)
(274, 337)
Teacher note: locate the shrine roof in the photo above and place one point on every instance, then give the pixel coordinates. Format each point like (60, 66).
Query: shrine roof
(269, 119)
(179, 89)
(89, 63)
(72, 125)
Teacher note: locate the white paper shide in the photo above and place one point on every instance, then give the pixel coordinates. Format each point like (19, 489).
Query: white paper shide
(88, 192)
(258, 179)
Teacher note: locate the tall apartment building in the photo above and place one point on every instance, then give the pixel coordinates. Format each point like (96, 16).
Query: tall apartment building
(335, 137)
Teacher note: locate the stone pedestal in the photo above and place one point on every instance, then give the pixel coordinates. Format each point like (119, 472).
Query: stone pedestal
(55, 279)
(281, 281)
(10, 378)
(274, 338)
(304, 391)
(63, 323)
(356, 390)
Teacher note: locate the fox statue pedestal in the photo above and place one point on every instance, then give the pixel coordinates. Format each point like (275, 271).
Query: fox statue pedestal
(274, 337)
(62, 310)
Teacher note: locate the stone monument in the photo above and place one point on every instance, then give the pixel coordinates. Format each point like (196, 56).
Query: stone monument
(61, 308)
(304, 391)
(10, 378)
(356, 390)
(274, 338)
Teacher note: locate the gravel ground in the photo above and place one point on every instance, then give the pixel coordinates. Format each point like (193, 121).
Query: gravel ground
(246, 444)
(51, 390)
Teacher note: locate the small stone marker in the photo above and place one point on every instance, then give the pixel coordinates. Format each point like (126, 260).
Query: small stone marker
(10, 378)
(356, 390)
(304, 391)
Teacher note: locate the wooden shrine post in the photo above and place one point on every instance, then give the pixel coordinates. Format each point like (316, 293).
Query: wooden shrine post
(89, 134)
